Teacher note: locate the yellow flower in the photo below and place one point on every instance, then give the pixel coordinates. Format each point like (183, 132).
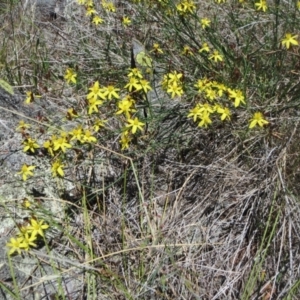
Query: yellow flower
(204, 48)
(125, 140)
(258, 119)
(48, 145)
(93, 105)
(26, 203)
(98, 124)
(186, 6)
(135, 72)
(22, 230)
(145, 85)
(135, 124)
(171, 79)
(30, 145)
(202, 84)
(221, 89)
(95, 92)
(175, 89)
(71, 114)
(174, 76)
(22, 126)
(156, 49)
(195, 113)
(289, 40)
(187, 50)
(26, 171)
(28, 240)
(29, 98)
(206, 108)
(205, 120)
(109, 6)
(110, 91)
(237, 96)
(16, 245)
(261, 5)
(90, 11)
(210, 94)
(76, 134)
(224, 112)
(133, 84)
(37, 227)
(216, 56)
(61, 143)
(57, 170)
(70, 76)
(88, 137)
(97, 20)
(126, 21)
(205, 23)
(125, 106)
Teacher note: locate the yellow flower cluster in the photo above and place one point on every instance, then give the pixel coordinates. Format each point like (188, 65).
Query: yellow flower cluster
(27, 236)
(215, 56)
(126, 106)
(214, 93)
(172, 84)
(137, 82)
(210, 91)
(56, 146)
(107, 6)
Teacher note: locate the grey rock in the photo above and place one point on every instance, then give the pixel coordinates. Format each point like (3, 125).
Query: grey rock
(12, 109)
(28, 269)
(47, 8)
(37, 279)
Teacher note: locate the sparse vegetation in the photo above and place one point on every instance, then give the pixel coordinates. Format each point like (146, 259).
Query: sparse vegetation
(156, 149)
